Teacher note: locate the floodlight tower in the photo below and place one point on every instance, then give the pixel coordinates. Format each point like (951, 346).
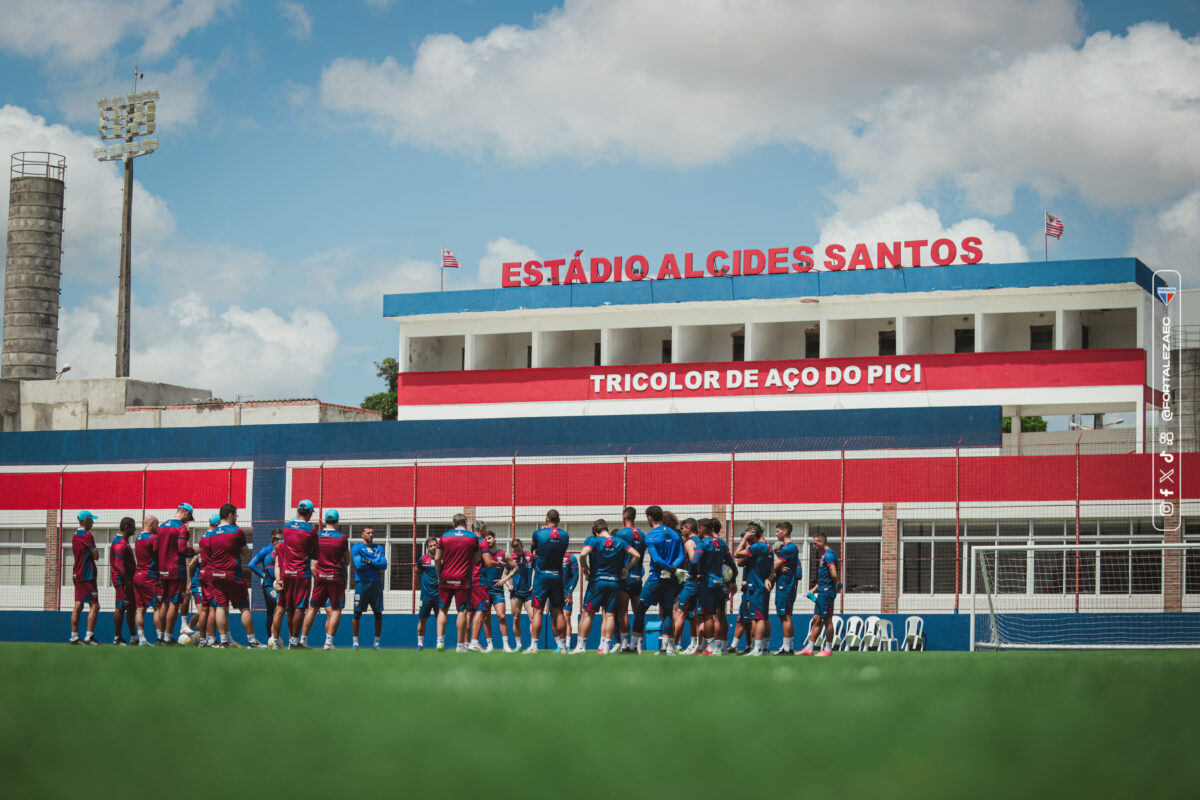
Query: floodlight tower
(126, 118)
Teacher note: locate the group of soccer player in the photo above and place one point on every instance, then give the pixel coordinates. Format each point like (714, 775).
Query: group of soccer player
(691, 576)
(159, 569)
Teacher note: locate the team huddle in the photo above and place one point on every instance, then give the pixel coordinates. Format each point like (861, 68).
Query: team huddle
(690, 577)
(303, 569)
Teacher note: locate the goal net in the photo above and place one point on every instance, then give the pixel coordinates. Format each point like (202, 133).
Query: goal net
(1097, 596)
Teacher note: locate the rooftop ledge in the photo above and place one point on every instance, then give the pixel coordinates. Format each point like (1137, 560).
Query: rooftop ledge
(977, 277)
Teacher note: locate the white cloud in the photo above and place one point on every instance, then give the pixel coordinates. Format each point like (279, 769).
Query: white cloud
(1114, 120)
(910, 221)
(681, 82)
(299, 21)
(73, 33)
(496, 253)
(1170, 239)
(189, 342)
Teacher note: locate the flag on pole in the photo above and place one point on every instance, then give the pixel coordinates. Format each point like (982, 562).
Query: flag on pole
(1054, 225)
(448, 260)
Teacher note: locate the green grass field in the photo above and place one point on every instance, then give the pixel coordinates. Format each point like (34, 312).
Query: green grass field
(205, 723)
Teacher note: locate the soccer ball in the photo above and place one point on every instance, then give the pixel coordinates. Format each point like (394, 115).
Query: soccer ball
(185, 640)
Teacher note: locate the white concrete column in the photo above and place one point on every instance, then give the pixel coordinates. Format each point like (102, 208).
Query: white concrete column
(762, 340)
(837, 337)
(1068, 330)
(687, 343)
(914, 335)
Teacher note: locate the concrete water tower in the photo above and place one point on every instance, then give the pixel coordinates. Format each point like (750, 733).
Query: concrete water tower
(33, 266)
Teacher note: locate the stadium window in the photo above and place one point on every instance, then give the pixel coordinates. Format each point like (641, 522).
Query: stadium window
(964, 340)
(862, 559)
(887, 343)
(812, 344)
(1083, 336)
(462, 358)
(1115, 565)
(666, 351)
(1041, 337)
(528, 356)
(1012, 567)
(1049, 566)
(739, 345)
(916, 557)
(596, 354)
(1191, 558)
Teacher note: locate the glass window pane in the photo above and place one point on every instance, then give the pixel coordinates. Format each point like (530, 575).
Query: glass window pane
(914, 529)
(1191, 571)
(1048, 571)
(33, 566)
(1146, 566)
(1011, 570)
(918, 567)
(1013, 531)
(1114, 568)
(862, 567)
(10, 566)
(863, 530)
(401, 563)
(945, 567)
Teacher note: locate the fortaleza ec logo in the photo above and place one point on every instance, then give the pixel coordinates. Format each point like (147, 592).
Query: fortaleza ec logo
(1166, 294)
(724, 264)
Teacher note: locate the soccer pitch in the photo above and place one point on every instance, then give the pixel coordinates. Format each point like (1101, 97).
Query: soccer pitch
(205, 723)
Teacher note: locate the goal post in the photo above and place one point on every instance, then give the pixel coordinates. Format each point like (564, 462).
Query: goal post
(1139, 595)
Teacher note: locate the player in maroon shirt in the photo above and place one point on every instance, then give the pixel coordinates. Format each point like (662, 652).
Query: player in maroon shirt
(329, 585)
(121, 567)
(456, 555)
(147, 590)
(293, 576)
(172, 567)
(221, 552)
(83, 547)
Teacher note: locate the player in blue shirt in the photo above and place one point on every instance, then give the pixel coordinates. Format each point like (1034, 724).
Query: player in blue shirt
(570, 581)
(519, 579)
(493, 577)
(549, 548)
(631, 588)
(685, 604)
(607, 560)
(263, 565)
(729, 573)
(787, 578)
(370, 564)
(826, 588)
(758, 558)
(666, 575)
(431, 601)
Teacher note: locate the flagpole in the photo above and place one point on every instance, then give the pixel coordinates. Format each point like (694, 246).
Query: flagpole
(441, 275)
(1045, 236)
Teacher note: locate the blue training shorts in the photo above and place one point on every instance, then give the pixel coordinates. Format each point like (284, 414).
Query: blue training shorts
(785, 600)
(366, 596)
(686, 601)
(756, 604)
(430, 605)
(548, 589)
(602, 596)
(659, 591)
(825, 598)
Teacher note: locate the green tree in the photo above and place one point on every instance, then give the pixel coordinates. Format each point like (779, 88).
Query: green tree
(1028, 424)
(384, 402)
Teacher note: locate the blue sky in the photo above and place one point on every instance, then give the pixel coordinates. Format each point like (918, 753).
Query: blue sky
(316, 155)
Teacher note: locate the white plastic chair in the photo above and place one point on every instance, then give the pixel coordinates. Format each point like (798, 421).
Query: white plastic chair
(853, 637)
(870, 637)
(887, 636)
(838, 624)
(914, 634)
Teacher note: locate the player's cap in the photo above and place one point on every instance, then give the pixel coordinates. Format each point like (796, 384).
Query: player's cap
(214, 520)
(188, 508)
(305, 505)
(82, 515)
(332, 516)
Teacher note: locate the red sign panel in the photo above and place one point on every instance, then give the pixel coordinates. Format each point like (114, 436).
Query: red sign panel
(929, 373)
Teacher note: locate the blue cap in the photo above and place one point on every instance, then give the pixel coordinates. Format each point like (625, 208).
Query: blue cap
(214, 520)
(332, 516)
(188, 508)
(305, 505)
(82, 515)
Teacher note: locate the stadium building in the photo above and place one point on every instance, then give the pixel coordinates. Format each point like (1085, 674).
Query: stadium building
(865, 404)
